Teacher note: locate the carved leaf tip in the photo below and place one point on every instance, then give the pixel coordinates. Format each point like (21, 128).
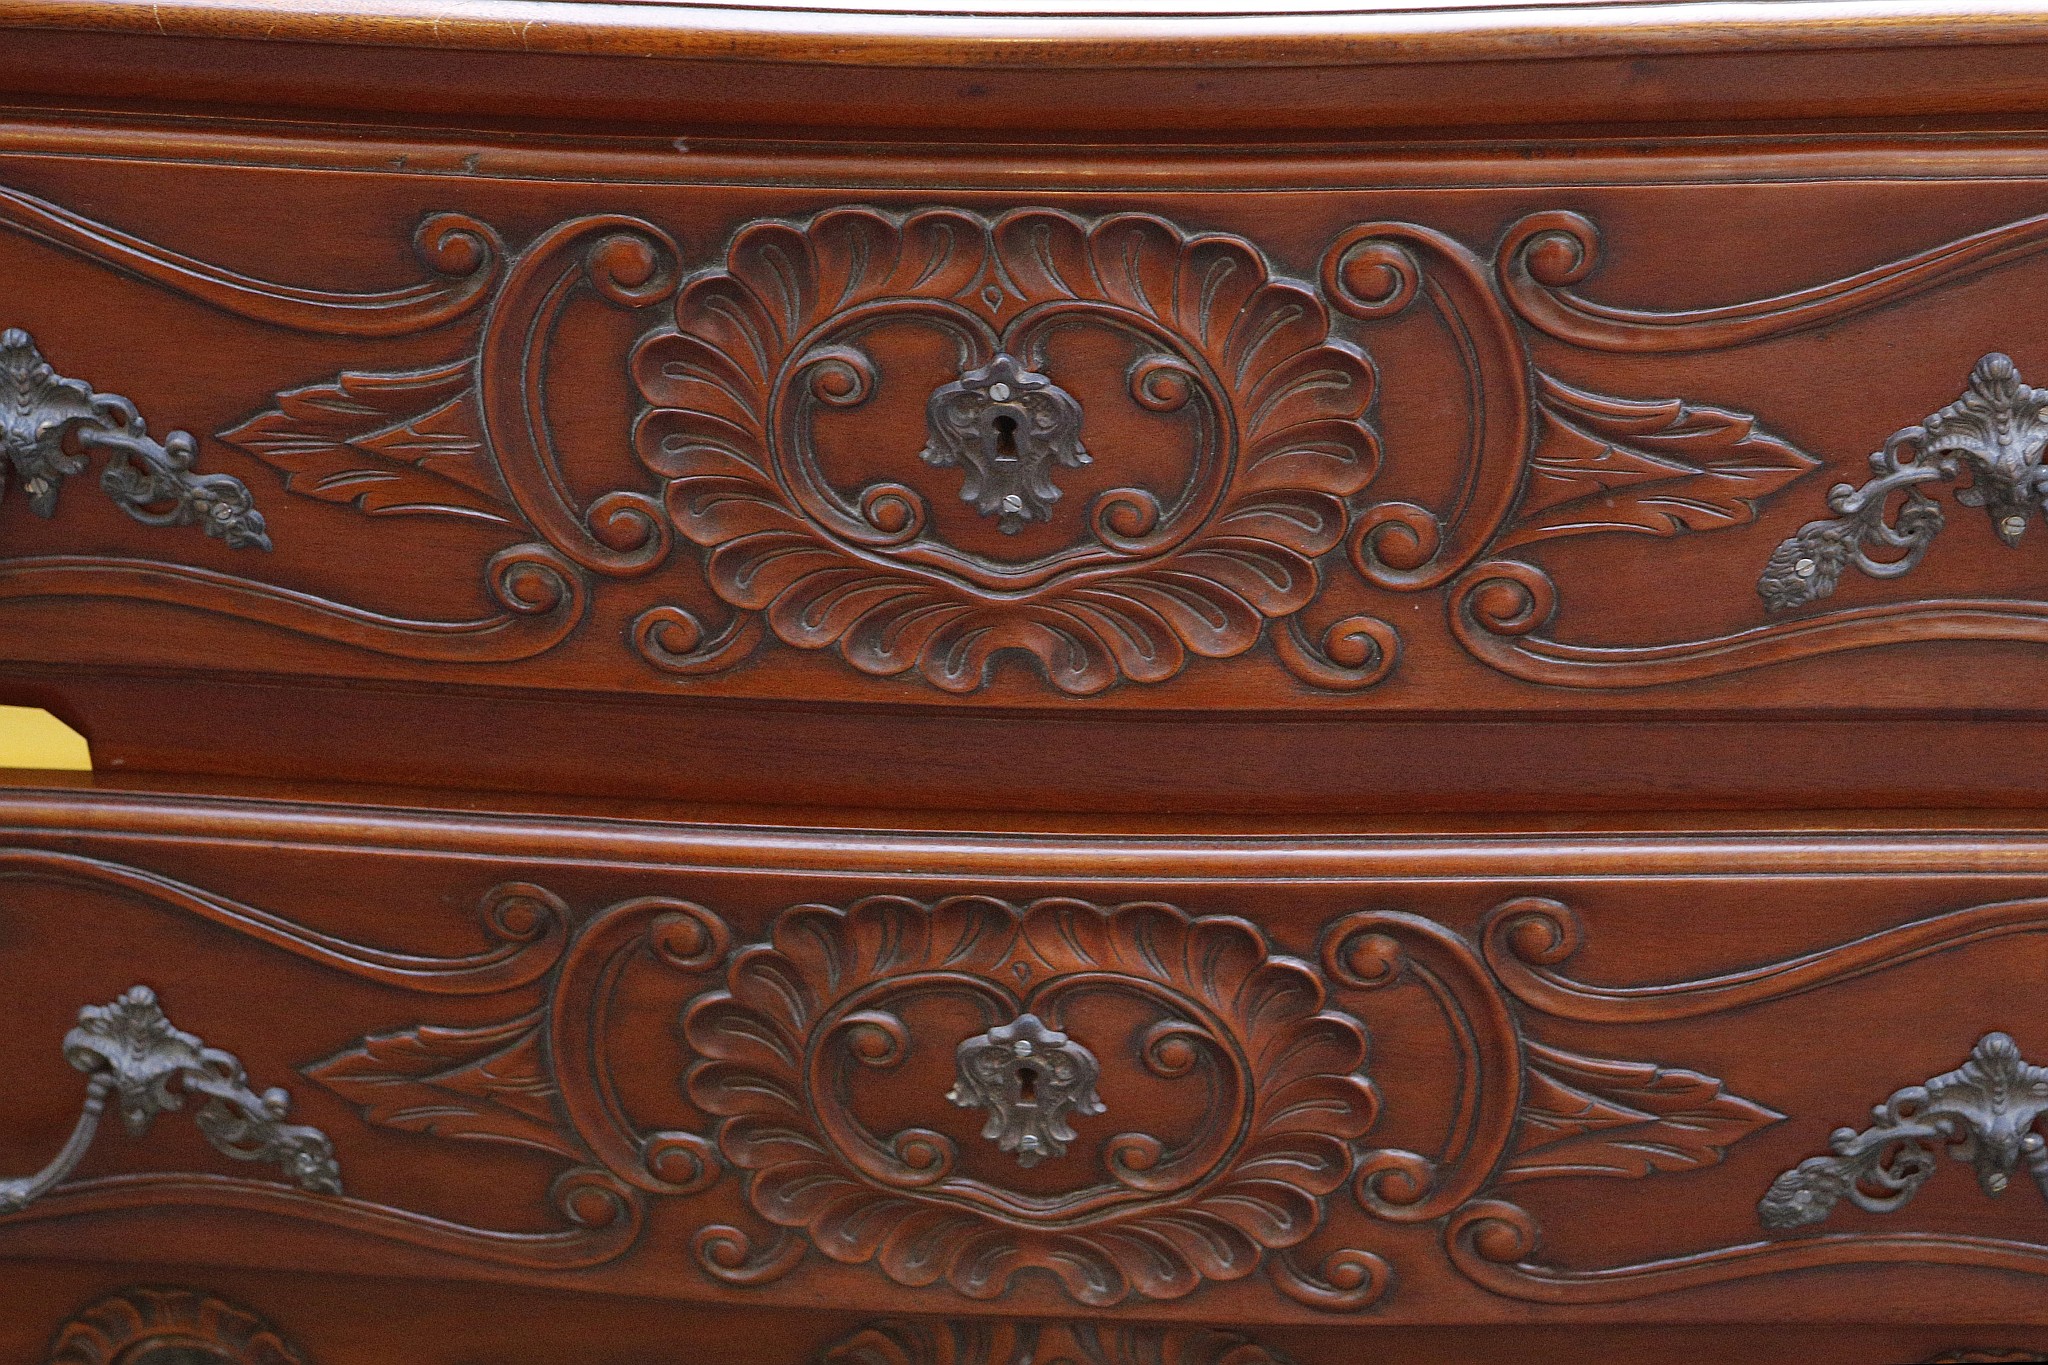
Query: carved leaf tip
(1594, 1116)
(486, 1084)
(384, 444)
(1649, 466)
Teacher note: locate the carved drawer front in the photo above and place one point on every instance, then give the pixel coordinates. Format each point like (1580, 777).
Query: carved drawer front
(1571, 440)
(1288, 1081)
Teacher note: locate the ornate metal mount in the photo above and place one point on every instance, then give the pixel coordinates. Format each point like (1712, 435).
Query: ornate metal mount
(49, 424)
(1996, 433)
(135, 1056)
(1009, 426)
(1983, 1113)
(1028, 1077)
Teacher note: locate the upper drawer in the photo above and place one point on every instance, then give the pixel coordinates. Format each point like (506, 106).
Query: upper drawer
(1414, 436)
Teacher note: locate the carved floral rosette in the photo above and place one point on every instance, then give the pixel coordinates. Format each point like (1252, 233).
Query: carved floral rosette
(808, 1020)
(1268, 407)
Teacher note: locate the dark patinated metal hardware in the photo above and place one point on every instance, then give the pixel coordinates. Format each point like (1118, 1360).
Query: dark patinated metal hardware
(1029, 1078)
(1984, 1112)
(1010, 427)
(50, 424)
(146, 1066)
(1989, 443)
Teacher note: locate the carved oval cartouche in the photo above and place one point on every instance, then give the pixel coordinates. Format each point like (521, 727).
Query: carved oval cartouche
(1217, 465)
(1267, 1091)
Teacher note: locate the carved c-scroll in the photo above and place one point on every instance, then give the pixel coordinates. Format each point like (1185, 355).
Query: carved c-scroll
(1274, 1087)
(1374, 949)
(1371, 272)
(1542, 255)
(630, 264)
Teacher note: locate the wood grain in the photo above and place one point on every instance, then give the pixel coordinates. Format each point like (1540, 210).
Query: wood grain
(1176, 682)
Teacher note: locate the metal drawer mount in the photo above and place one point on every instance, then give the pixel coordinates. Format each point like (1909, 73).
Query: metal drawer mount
(135, 1056)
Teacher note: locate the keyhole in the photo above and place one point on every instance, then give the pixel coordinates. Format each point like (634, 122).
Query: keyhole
(1027, 1085)
(1006, 437)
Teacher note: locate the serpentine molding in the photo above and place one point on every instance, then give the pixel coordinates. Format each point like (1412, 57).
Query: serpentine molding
(465, 254)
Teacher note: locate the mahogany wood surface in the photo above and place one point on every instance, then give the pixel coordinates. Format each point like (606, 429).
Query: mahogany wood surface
(1151, 683)
(539, 1044)
(409, 1323)
(1578, 539)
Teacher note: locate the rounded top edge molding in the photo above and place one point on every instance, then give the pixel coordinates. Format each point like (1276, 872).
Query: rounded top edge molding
(1069, 34)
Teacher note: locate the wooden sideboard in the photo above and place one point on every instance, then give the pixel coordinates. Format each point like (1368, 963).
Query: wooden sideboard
(1191, 688)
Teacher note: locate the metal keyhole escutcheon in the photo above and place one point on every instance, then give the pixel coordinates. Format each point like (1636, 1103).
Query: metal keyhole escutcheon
(1009, 427)
(1029, 1078)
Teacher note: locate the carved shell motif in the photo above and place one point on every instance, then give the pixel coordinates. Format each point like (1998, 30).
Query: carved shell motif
(1223, 423)
(799, 1054)
(169, 1326)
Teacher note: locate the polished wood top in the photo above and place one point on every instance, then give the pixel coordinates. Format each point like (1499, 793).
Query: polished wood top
(1067, 33)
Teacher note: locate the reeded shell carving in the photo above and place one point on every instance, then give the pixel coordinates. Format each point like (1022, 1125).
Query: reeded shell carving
(811, 1017)
(1268, 407)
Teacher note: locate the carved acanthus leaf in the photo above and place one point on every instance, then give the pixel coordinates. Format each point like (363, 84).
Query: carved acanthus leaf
(488, 1084)
(386, 444)
(1591, 1116)
(1656, 467)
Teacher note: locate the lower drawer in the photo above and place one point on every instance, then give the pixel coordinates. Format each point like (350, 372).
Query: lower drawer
(104, 1315)
(1275, 1081)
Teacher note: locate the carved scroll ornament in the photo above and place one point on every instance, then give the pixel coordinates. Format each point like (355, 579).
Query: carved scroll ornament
(146, 1067)
(1248, 1097)
(1235, 370)
(1985, 1113)
(1245, 1148)
(1225, 479)
(1202, 524)
(49, 424)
